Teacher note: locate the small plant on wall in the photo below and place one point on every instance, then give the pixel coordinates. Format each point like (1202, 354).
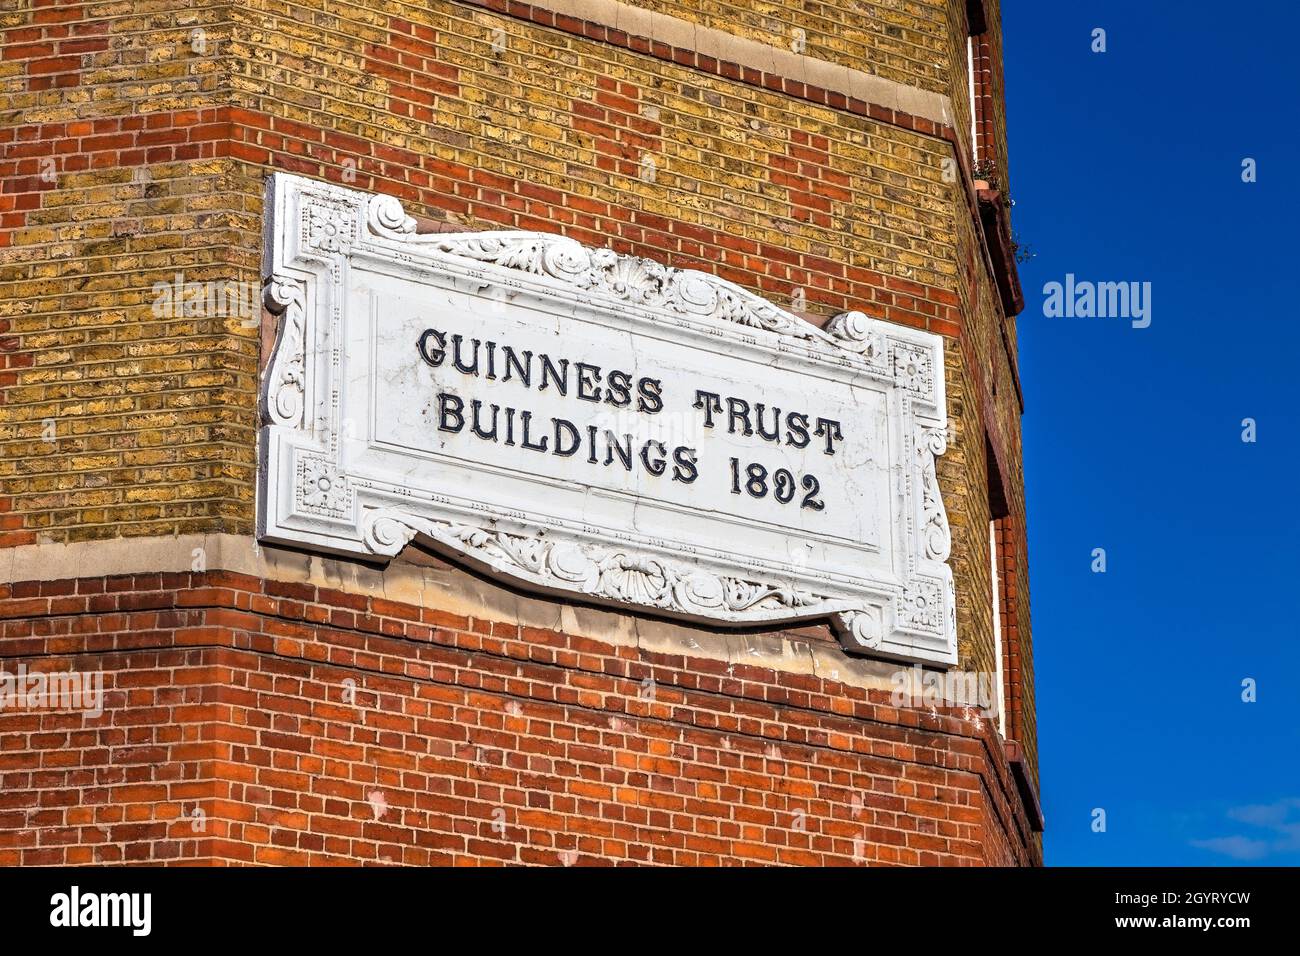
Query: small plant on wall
(985, 172)
(987, 176)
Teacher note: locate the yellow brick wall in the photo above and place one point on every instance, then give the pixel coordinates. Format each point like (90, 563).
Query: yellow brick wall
(116, 421)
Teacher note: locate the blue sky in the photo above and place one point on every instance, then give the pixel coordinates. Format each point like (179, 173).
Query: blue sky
(1127, 166)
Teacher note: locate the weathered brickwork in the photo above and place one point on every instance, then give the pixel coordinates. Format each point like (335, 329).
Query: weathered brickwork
(134, 143)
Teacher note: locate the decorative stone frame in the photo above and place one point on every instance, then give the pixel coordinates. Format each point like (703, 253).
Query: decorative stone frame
(318, 234)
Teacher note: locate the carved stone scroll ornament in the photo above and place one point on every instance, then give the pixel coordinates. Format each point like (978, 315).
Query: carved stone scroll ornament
(609, 573)
(937, 536)
(857, 332)
(284, 392)
(862, 630)
(630, 278)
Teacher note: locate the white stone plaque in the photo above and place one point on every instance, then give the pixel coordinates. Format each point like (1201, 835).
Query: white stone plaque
(599, 427)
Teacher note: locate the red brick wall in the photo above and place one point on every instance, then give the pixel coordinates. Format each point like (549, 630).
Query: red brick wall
(466, 742)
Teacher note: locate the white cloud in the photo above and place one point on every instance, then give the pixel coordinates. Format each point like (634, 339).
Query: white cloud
(1271, 815)
(1279, 821)
(1237, 847)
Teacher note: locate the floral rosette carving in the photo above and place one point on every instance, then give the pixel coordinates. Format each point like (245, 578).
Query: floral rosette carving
(329, 227)
(921, 606)
(320, 487)
(913, 369)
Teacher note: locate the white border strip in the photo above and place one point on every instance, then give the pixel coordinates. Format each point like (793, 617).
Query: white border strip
(708, 41)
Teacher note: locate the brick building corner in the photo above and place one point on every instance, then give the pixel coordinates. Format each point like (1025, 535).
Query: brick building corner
(263, 705)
